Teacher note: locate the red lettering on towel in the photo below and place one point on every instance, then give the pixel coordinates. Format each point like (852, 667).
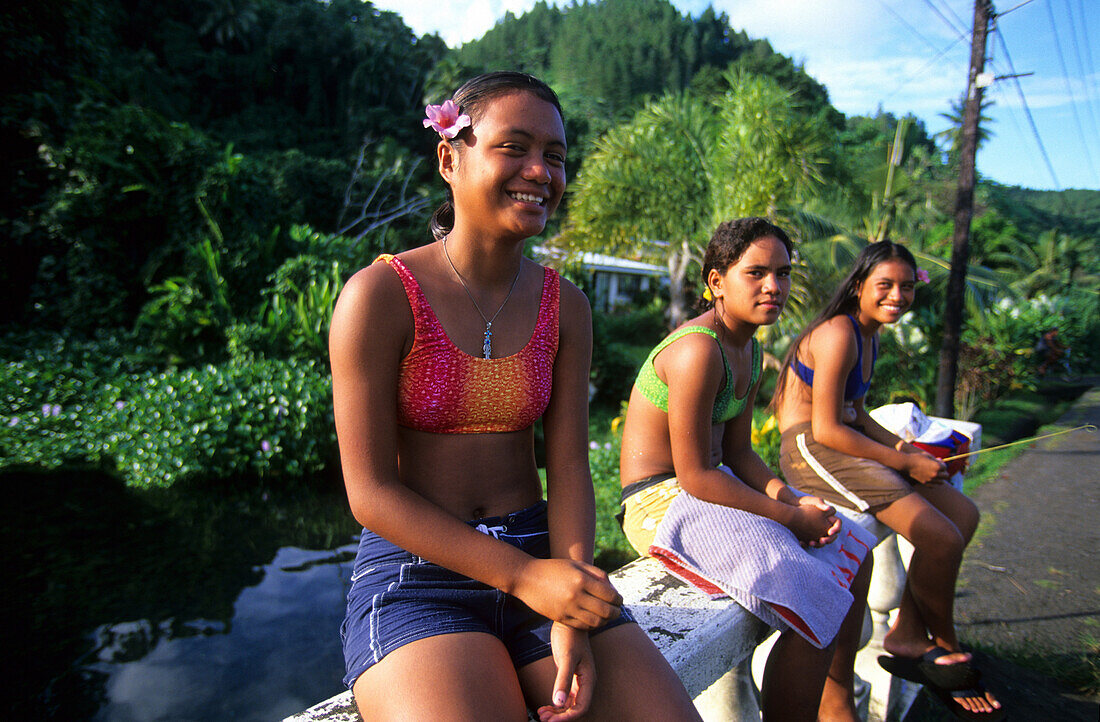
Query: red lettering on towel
(856, 539)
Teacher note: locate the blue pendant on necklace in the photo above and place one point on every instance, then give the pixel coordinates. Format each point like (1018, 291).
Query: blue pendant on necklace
(487, 342)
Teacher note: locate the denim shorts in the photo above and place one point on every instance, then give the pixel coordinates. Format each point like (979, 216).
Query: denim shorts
(397, 598)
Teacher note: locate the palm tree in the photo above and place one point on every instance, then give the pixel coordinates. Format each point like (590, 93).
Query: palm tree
(1051, 265)
(685, 163)
(647, 189)
(952, 136)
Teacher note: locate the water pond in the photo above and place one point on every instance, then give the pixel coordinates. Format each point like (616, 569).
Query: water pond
(213, 603)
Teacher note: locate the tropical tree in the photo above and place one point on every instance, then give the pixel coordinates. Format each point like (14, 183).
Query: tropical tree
(951, 138)
(647, 189)
(1052, 264)
(769, 153)
(656, 186)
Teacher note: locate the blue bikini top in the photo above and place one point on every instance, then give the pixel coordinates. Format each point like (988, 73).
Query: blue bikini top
(855, 387)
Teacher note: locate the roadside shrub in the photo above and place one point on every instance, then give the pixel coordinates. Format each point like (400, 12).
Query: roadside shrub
(997, 352)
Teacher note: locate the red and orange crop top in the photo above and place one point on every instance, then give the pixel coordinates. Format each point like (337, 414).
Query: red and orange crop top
(444, 390)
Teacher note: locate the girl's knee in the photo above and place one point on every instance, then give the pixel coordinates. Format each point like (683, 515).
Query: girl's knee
(968, 519)
(943, 541)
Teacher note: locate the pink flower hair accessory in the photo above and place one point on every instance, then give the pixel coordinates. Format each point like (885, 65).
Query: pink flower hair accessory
(922, 275)
(446, 119)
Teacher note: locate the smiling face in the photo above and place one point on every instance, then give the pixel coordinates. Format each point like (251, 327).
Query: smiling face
(508, 175)
(755, 287)
(887, 292)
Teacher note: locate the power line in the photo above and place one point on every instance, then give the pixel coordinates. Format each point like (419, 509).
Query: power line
(1027, 110)
(1069, 86)
(924, 67)
(959, 20)
(1090, 99)
(997, 89)
(1085, 35)
(961, 33)
(906, 25)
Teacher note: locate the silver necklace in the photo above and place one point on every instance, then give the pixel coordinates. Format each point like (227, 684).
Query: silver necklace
(487, 341)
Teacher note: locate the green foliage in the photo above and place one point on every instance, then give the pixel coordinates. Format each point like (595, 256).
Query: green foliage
(998, 346)
(907, 363)
(620, 343)
(685, 163)
(191, 320)
(139, 196)
(766, 439)
(760, 59)
(1052, 263)
(612, 549)
(271, 75)
(615, 50)
(605, 57)
(297, 309)
(1072, 211)
(86, 404)
(649, 179)
(770, 152)
(120, 213)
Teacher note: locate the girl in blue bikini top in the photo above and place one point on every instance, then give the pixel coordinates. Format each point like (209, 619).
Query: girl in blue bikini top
(854, 386)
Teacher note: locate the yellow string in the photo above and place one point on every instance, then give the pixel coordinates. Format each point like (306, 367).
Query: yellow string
(1086, 427)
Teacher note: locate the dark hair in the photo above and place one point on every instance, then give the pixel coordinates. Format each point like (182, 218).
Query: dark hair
(729, 242)
(473, 98)
(846, 298)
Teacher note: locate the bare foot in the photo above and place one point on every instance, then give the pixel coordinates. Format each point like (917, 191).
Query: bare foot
(898, 646)
(982, 703)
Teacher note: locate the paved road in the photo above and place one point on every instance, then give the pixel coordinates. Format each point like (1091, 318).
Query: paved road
(1030, 581)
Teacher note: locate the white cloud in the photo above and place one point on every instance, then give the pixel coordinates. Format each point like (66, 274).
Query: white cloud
(456, 21)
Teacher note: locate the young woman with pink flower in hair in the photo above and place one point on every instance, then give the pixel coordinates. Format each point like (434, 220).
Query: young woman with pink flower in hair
(471, 596)
(832, 448)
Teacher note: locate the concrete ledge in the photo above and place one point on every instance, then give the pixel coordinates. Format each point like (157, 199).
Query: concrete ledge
(340, 708)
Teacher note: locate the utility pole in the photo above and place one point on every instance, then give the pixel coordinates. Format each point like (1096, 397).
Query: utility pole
(964, 211)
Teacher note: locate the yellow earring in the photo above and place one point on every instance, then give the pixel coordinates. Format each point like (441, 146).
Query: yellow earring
(707, 295)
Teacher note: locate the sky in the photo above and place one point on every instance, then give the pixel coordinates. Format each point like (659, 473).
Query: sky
(909, 56)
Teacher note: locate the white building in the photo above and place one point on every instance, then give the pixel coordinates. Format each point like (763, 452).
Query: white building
(617, 282)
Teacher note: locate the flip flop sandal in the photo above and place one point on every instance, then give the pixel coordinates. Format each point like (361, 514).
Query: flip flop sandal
(924, 670)
(949, 677)
(950, 699)
(902, 667)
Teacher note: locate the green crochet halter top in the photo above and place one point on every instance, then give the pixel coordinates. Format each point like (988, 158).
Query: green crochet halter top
(726, 406)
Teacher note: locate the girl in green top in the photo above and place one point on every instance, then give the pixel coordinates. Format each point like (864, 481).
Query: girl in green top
(688, 429)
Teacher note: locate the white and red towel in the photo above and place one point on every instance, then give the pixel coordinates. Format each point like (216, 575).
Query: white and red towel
(760, 564)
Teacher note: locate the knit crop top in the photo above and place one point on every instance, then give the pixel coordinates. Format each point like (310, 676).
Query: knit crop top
(854, 386)
(726, 405)
(444, 390)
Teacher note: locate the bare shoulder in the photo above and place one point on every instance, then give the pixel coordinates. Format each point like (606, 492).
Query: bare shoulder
(830, 343)
(692, 352)
(572, 298)
(574, 311)
(369, 286)
(372, 307)
(833, 333)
